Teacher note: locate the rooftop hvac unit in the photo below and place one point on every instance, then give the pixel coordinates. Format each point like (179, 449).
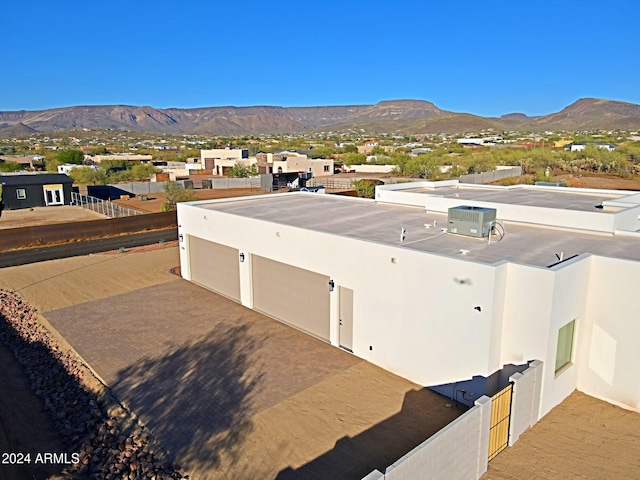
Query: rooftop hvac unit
(471, 221)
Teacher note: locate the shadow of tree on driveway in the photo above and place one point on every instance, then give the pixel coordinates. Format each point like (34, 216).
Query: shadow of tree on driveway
(197, 399)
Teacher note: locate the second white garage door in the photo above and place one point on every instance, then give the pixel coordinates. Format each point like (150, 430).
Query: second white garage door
(215, 267)
(292, 295)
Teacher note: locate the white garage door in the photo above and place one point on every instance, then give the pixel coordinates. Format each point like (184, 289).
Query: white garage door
(215, 267)
(292, 295)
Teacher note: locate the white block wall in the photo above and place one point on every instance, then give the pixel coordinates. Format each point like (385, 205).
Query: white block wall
(375, 475)
(458, 451)
(525, 401)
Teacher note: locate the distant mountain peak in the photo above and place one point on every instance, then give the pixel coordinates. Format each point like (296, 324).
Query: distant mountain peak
(514, 116)
(401, 115)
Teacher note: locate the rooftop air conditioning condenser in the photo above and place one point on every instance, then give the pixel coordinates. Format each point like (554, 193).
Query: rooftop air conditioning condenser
(471, 221)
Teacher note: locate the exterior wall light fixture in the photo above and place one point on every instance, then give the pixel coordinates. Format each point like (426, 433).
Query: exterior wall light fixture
(332, 285)
(242, 258)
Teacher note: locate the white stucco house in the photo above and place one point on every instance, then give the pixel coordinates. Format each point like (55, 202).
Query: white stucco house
(293, 162)
(220, 160)
(580, 146)
(403, 282)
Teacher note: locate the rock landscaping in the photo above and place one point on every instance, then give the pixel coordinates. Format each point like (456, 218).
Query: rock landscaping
(103, 438)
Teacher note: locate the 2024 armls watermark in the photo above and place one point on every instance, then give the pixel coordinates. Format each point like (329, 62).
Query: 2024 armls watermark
(39, 458)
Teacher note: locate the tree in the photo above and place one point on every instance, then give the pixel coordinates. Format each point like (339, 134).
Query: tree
(350, 149)
(99, 151)
(120, 175)
(366, 188)
(7, 150)
(423, 166)
(89, 175)
(10, 167)
(353, 158)
(75, 157)
(322, 152)
(240, 170)
(481, 163)
(52, 165)
(142, 171)
(175, 193)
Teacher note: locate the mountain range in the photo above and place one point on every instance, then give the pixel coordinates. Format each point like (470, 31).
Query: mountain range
(401, 116)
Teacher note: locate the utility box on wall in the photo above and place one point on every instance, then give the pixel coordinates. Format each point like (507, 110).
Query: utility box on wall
(470, 221)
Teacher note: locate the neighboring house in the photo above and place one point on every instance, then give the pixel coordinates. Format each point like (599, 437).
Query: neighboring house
(67, 167)
(474, 142)
(220, 160)
(30, 162)
(293, 162)
(176, 170)
(195, 163)
(578, 147)
(471, 141)
(420, 151)
(369, 168)
(118, 156)
(367, 147)
(423, 282)
(35, 190)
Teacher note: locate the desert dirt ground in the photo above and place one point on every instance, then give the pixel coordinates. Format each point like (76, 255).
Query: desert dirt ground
(357, 412)
(45, 215)
(65, 213)
(154, 201)
(24, 427)
(582, 438)
(600, 181)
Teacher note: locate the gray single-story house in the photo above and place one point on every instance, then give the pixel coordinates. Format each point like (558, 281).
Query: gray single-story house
(35, 190)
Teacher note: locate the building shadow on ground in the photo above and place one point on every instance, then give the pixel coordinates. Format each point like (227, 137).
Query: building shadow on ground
(197, 399)
(423, 413)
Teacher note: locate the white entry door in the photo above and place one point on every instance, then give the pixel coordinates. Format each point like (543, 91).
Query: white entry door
(53, 195)
(346, 318)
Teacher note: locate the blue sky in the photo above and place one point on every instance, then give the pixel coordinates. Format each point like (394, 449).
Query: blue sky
(488, 58)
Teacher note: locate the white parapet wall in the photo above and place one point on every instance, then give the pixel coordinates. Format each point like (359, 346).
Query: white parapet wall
(627, 218)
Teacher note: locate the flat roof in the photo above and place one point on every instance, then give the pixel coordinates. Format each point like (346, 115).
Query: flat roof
(382, 223)
(549, 198)
(34, 179)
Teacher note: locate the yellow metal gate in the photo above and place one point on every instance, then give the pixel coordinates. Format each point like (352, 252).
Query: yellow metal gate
(500, 415)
